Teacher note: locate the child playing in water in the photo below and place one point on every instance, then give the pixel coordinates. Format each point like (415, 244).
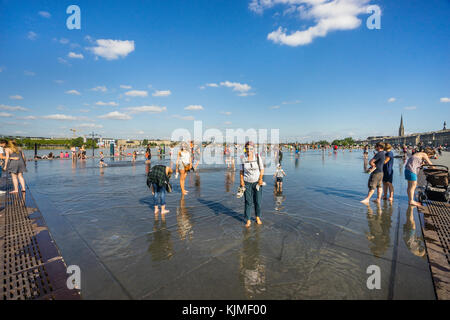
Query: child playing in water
(279, 174)
(102, 160)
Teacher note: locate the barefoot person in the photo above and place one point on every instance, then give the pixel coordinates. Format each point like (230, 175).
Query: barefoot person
(3, 144)
(252, 172)
(183, 166)
(159, 177)
(412, 168)
(15, 163)
(376, 176)
(279, 174)
(388, 173)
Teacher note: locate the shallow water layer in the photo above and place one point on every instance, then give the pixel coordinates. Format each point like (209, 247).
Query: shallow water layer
(316, 241)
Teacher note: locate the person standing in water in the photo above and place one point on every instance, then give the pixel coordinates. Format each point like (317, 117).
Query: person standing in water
(388, 173)
(412, 169)
(148, 155)
(279, 174)
(183, 166)
(376, 176)
(15, 163)
(102, 160)
(159, 177)
(3, 144)
(251, 175)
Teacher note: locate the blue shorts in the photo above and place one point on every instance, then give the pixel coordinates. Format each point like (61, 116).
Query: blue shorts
(410, 176)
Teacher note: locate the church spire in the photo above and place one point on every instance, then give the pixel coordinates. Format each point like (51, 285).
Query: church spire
(401, 130)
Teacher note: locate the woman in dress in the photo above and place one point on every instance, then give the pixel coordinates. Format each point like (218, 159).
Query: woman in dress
(15, 163)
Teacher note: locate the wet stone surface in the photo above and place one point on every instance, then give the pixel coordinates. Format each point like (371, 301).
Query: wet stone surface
(316, 240)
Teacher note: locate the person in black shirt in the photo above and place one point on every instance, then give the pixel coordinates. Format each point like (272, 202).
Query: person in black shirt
(376, 176)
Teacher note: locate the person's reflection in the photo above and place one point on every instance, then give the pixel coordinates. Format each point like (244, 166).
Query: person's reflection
(74, 165)
(379, 229)
(147, 168)
(413, 242)
(184, 221)
(297, 161)
(197, 183)
(279, 199)
(229, 180)
(252, 269)
(161, 247)
(366, 164)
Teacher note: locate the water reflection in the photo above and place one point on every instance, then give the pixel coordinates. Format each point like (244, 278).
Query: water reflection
(379, 228)
(161, 247)
(413, 242)
(229, 180)
(279, 198)
(184, 221)
(252, 269)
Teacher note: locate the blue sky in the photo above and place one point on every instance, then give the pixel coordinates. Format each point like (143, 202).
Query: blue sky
(140, 69)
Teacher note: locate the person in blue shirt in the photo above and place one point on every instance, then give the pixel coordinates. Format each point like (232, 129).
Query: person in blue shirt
(388, 173)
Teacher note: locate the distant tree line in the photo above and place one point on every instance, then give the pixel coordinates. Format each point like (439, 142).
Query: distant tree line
(344, 142)
(62, 143)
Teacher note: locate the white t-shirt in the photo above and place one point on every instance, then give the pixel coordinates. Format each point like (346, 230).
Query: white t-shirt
(252, 168)
(2, 151)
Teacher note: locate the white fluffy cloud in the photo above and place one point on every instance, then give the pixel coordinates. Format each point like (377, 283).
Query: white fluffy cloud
(12, 108)
(240, 87)
(161, 93)
(44, 14)
(194, 107)
(327, 16)
(74, 55)
(445, 99)
(74, 92)
(112, 49)
(115, 115)
(147, 109)
(100, 88)
(392, 99)
(137, 93)
(16, 97)
(60, 117)
(111, 103)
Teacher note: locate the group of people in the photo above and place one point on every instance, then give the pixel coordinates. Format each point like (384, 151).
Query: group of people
(381, 172)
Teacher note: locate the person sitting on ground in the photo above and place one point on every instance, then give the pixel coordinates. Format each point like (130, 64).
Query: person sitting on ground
(376, 174)
(412, 169)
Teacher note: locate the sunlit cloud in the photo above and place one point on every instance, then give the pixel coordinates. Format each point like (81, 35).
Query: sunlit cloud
(111, 103)
(73, 92)
(161, 93)
(74, 55)
(112, 49)
(63, 117)
(116, 115)
(445, 99)
(194, 107)
(147, 109)
(137, 93)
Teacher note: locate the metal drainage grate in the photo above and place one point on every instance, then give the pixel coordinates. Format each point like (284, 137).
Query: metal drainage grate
(440, 216)
(30, 264)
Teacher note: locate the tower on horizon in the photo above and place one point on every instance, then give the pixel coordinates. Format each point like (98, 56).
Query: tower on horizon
(401, 130)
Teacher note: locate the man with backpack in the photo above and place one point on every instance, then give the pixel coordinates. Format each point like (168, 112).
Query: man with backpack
(252, 172)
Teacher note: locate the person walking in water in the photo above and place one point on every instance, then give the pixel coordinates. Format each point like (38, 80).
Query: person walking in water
(183, 165)
(252, 172)
(388, 173)
(3, 144)
(158, 178)
(376, 176)
(102, 160)
(148, 155)
(412, 169)
(15, 163)
(279, 174)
